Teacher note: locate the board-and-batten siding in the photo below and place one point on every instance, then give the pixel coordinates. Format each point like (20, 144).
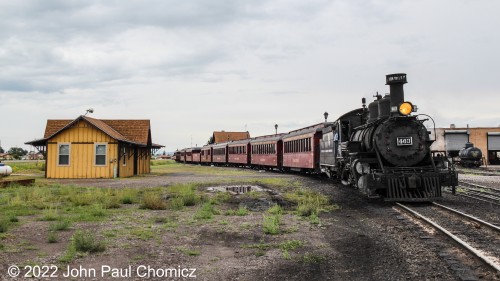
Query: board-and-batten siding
(128, 169)
(82, 137)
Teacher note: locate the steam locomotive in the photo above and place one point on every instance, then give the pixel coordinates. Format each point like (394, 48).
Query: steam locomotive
(382, 150)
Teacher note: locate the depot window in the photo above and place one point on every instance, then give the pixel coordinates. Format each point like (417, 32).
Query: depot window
(63, 150)
(100, 154)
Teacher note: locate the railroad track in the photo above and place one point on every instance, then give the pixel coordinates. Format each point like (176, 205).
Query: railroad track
(480, 238)
(479, 192)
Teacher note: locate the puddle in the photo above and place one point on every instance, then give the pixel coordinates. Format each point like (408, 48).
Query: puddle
(268, 199)
(237, 189)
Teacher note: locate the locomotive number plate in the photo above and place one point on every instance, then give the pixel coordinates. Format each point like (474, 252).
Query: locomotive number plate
(402, 141)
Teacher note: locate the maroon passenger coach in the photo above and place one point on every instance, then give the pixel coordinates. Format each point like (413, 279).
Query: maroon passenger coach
(219, 153)
(239, 152)
(301, 149)
(267, 151)
(206, 154)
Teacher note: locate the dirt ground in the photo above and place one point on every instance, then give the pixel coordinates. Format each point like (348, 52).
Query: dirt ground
(361, 240)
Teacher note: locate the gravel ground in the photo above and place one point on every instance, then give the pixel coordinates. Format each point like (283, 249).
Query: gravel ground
(363, 240)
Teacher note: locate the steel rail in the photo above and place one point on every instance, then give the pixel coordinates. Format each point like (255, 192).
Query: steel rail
(468, 216)
(455, 238)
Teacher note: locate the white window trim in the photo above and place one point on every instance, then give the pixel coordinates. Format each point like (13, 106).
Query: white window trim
(69, 153)
(95, 154)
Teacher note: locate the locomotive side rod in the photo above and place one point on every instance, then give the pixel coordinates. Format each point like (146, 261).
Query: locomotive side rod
(455, 238)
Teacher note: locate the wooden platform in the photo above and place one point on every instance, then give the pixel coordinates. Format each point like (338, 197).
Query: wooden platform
(4, 182)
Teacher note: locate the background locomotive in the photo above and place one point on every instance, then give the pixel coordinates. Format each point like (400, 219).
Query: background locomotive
(470, 156)
(383, 151)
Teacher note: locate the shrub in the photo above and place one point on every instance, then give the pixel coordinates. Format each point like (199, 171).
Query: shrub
(86, 241)
(60, 225)
(153, 201)
(52, 238)
(206, 212)
(50, 214)
(112, 202)
(4, 225)
(271, 224)
(275, 210)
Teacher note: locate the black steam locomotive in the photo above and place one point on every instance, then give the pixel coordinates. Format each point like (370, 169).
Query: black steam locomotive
(384, 150)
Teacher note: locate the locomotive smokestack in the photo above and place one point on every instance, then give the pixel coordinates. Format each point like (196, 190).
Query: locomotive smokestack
(396, 82)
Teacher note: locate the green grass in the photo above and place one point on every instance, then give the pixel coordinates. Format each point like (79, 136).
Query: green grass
(310, 258)
(87, 242)
(271, 224)
(143, 233)
(285, 247)
(4, 225)
(166, 167)
(310, 203)
(188, 252)
(60, 225)
(27, 167)
(52, 237)
(241, 211)
(183, 195)
(205, 212)
(153, 201)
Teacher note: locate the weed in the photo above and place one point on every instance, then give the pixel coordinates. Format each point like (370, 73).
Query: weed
(86, 241)
(98, 211)
(50, 214)
(4, 225)
(176, 203)
(206, 212)
(160, 219)
(153, 201)
(129, 196)
(309, 258)
(143, 233)
(221, 197)
(112, 203)
(52, 237)
(188, 252)
(310, 202)
(275, 210)
(60, 225)
(223, 222)
(13, 219)
(271, 224)
(241, 211)
(314, 219)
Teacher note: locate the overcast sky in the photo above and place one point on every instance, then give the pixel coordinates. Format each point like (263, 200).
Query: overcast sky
(193, 67)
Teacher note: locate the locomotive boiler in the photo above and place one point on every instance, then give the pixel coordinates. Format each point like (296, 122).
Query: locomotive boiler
(384, 150)
(470, 156)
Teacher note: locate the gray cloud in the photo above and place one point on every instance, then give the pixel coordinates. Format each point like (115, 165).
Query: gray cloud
(196, 66)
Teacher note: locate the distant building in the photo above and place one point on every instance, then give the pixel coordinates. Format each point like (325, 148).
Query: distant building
(91, 148)
(451, 140)
(33, 156)
(6, 156)
(222, 136)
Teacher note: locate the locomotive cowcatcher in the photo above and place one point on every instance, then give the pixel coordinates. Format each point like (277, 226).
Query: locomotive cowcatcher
(384, 150)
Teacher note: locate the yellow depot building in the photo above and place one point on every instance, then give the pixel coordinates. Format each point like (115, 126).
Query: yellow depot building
(94, 148)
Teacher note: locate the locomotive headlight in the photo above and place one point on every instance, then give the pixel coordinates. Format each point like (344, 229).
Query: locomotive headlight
(406, 108)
